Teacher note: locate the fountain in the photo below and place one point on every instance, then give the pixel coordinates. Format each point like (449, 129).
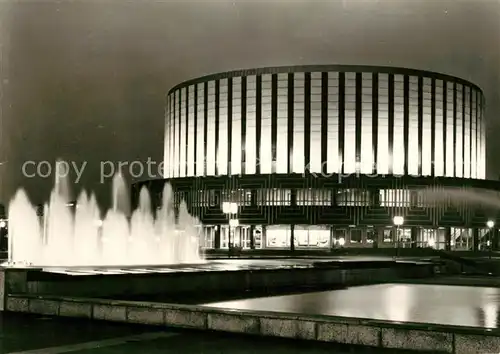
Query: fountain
(64, 237)
(474, 196)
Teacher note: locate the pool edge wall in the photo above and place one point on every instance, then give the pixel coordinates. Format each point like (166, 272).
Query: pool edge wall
(37, 282)
(382, 334)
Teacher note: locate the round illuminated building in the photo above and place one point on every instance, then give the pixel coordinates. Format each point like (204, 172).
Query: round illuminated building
(326, 156)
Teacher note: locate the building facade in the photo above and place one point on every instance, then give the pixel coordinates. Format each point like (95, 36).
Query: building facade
(326, 156)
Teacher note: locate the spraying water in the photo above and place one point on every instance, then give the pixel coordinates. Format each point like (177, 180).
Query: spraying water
(63, 237)
(473, 196)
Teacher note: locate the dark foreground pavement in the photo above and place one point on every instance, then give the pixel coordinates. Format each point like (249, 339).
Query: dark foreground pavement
(27, 334)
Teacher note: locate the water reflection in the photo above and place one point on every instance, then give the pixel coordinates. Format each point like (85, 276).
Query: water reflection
(439, 304)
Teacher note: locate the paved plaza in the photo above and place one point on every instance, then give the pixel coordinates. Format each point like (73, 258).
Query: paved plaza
(477, 307)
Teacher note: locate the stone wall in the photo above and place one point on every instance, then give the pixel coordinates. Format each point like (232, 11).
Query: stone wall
(435, 338)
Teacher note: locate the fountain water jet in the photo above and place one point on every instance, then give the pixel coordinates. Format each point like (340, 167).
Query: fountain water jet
(23, 221)
(67, 238)
(121, 201)
(454, 195)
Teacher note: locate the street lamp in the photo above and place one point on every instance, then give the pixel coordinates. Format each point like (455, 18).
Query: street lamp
(490, 224)
(234, 223)
(229, 208)
(398, 221)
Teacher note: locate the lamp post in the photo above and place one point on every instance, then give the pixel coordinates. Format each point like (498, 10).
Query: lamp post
(398, 221)
(490, 224)
(341, 242)
(230, 209)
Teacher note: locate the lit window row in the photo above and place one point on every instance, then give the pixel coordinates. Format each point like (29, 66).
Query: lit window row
(353, 197)
(217, 128)
(326, 236)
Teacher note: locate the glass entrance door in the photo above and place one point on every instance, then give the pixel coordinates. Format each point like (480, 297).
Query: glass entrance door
(355, 236)
(245, 236)
(224, 236)
(238, 236)
(208, 237)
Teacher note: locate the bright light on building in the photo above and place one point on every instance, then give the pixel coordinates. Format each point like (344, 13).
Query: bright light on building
(398, 220)
(3, 224)
(234, 223)
(431, 243)
(229, 208)
(272, 152)
(490, 223)
(341, 241)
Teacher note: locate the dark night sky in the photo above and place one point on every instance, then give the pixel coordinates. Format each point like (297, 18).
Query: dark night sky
(86, 80)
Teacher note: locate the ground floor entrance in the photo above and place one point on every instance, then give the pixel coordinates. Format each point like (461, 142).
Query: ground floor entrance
(349, 236)
(222, 236)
